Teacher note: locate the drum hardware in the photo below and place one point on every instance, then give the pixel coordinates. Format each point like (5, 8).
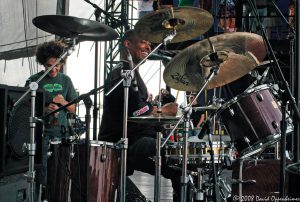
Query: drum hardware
(258, 130)
(185, 117)
(288, 96)
(103, 156)
(216, 189)
(199, 195)
(225, 189)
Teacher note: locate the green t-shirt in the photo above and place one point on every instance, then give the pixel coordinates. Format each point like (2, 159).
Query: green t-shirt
(186, 2)
(61, 84)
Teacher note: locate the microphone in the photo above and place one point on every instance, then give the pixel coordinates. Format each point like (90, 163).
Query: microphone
(205, 129)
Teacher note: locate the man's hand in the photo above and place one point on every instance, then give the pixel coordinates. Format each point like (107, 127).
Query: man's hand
(170, 109)
(59, 99)
(51, 107)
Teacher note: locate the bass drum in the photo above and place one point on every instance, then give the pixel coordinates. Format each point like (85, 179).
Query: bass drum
(293, 181)
(252, 120)
(253, 179)
(103, 172)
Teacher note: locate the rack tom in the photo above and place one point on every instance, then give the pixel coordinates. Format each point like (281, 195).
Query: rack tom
(252, 119)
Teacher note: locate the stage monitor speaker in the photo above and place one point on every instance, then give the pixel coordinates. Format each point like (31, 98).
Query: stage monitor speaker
(14, 188)
(15, 129)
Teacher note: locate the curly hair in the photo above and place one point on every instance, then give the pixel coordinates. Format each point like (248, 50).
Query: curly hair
(50, 49)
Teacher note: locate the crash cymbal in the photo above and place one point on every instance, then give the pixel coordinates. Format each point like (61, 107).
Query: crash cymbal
(68, 26)
(238, 53)
(191, 22)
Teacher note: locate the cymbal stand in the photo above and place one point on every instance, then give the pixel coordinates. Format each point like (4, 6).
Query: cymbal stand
(215, 123)
(185, 116)
(127, 77)
(216, 190)
(31, 146)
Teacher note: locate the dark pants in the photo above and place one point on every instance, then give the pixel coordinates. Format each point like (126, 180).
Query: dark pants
(139, 157)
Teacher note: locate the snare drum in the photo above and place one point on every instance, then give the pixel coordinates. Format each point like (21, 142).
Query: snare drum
(252, 119)
(58, 171)
(198, 152)
(103, 173)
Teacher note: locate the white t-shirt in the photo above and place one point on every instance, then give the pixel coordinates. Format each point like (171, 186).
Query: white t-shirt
(145, 5)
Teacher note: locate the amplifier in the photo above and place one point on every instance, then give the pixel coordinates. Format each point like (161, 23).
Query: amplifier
(14, 188)
(15, 129)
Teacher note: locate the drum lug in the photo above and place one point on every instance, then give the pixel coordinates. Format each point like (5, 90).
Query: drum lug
(103, 156)
(231, 111)
(275, 124)
(259, 97)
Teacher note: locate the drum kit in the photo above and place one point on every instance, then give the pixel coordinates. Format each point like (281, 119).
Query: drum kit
(251, 119)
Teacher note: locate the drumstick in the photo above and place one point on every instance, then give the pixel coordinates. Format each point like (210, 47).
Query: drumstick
(177, 94)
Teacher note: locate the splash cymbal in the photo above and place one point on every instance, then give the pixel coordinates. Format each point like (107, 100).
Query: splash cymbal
(191, 22)
(68, 26)
(238, 53)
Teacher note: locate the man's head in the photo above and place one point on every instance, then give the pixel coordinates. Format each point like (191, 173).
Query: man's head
(47, 54)
(192, 97)
(137, 47)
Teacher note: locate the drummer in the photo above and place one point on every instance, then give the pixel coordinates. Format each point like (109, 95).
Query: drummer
(59, 90)
(141, 136)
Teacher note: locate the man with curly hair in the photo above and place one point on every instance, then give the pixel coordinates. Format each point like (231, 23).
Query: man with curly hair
(59, 90)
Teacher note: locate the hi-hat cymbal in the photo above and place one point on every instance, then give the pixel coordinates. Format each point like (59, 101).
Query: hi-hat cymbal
(238, 53)
(191, 22)
(68, 26)
(207, 108)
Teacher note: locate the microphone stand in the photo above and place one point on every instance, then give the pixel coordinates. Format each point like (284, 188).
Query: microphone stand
(114, 22)
(287, 96)
(31, 146)
(97, 14)
(127, 77)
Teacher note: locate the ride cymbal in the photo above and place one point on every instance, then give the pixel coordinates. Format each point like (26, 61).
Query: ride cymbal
(189, 22)
(71, 27)
(238, 53)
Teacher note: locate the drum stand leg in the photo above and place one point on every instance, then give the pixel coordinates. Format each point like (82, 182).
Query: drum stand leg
(157, 168)
(184, 177)
(199, 195)
(216, 190)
